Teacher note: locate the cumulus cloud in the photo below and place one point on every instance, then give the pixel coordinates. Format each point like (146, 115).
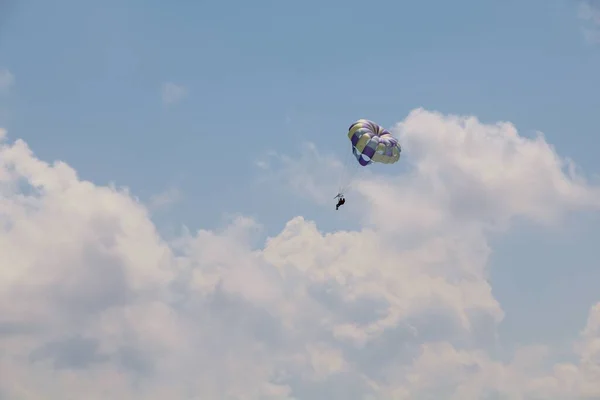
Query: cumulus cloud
(94, 303)
(7, 80)
(172, 93)
(462, 170)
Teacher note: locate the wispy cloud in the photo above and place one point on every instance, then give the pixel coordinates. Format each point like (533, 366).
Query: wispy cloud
(7, 80)
(262, 164)
(589, 11)
(166, 198)
(173, 93)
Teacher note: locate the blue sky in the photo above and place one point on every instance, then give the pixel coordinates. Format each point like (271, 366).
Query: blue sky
(271, 75)
(90, 76)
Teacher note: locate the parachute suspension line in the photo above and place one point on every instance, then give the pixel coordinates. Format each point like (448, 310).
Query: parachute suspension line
(342, 173)
(353, 170)
(348, 173)
(345, 174)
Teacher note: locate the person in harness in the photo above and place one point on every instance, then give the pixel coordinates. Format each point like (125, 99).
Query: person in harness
(341, 200)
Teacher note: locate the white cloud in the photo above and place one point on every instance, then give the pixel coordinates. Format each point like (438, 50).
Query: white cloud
(172, 93)
(166, 198)
(7, 80)
(589, 11)
(95, 304)
(462, 169)
(262, 164)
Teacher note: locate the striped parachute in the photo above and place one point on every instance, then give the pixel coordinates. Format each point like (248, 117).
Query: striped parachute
(372, 143)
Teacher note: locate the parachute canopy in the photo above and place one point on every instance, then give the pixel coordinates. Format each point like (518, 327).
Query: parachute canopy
(372, 143)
